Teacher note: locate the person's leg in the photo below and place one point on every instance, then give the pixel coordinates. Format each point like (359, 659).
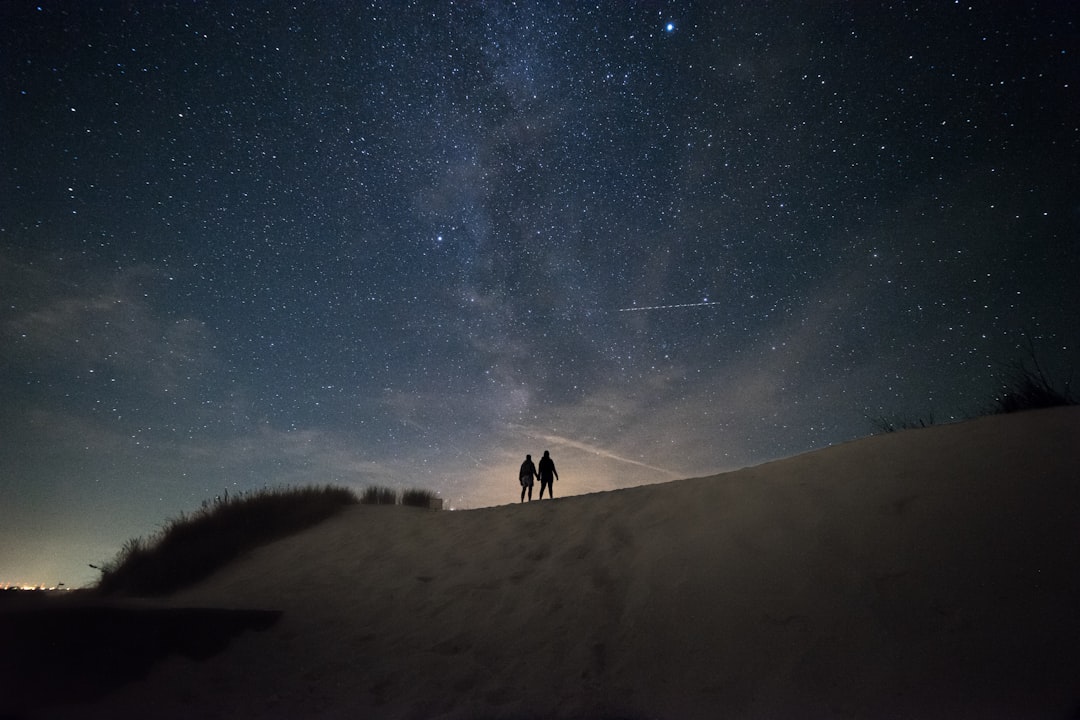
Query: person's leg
(522, 493)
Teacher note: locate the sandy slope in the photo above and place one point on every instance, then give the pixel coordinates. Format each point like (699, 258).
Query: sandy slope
(931, 574)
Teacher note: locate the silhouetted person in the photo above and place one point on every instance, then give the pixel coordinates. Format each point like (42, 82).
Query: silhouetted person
(526, 475)
(548, 475)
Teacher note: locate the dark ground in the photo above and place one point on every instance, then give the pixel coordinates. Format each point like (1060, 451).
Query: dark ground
(73, 647)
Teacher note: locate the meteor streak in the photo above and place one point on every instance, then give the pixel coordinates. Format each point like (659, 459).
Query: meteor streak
(666, 307)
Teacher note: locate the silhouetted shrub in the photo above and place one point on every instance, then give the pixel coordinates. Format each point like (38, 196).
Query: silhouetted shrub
(1026, 386)
(379, 496)
(889, 425)
(420, 498)
(189, 548)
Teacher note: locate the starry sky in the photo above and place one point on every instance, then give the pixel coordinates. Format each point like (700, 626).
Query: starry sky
(405, 243)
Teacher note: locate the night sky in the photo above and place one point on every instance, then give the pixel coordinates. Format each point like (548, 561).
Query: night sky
(405, 243)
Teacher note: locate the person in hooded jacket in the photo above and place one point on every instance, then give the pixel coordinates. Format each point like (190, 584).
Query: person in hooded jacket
(548, 475)
(526, 475)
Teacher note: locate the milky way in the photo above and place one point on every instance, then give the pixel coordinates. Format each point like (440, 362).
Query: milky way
(407, 243)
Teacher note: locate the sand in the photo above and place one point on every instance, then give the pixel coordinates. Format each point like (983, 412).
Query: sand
(930, 573)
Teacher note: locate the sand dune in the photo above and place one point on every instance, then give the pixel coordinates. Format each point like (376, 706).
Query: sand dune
(925, 574)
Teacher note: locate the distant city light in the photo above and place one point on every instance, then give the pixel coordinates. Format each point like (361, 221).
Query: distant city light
(29, 588)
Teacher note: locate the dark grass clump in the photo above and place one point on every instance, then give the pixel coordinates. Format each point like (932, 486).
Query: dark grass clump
(388, 496)
(379, 496)
(189, 548)
(1028, 387)
(1024, 385)
(888, 425)
(420, 498)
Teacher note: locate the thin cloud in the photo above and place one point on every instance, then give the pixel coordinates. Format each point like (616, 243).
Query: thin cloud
(601, 452)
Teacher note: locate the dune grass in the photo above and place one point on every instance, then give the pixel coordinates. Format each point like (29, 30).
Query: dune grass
(1028, 387)
(378, 495)
(191, 547)
(1025, 385)
(888, 425)
(419, 498)
(414, 497)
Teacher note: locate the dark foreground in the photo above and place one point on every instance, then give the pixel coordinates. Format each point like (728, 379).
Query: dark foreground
(77, 649)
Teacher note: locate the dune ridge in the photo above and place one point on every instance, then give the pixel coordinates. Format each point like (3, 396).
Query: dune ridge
(927, 573)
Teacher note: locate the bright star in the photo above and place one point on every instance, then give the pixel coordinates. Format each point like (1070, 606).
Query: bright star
(670, 27)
